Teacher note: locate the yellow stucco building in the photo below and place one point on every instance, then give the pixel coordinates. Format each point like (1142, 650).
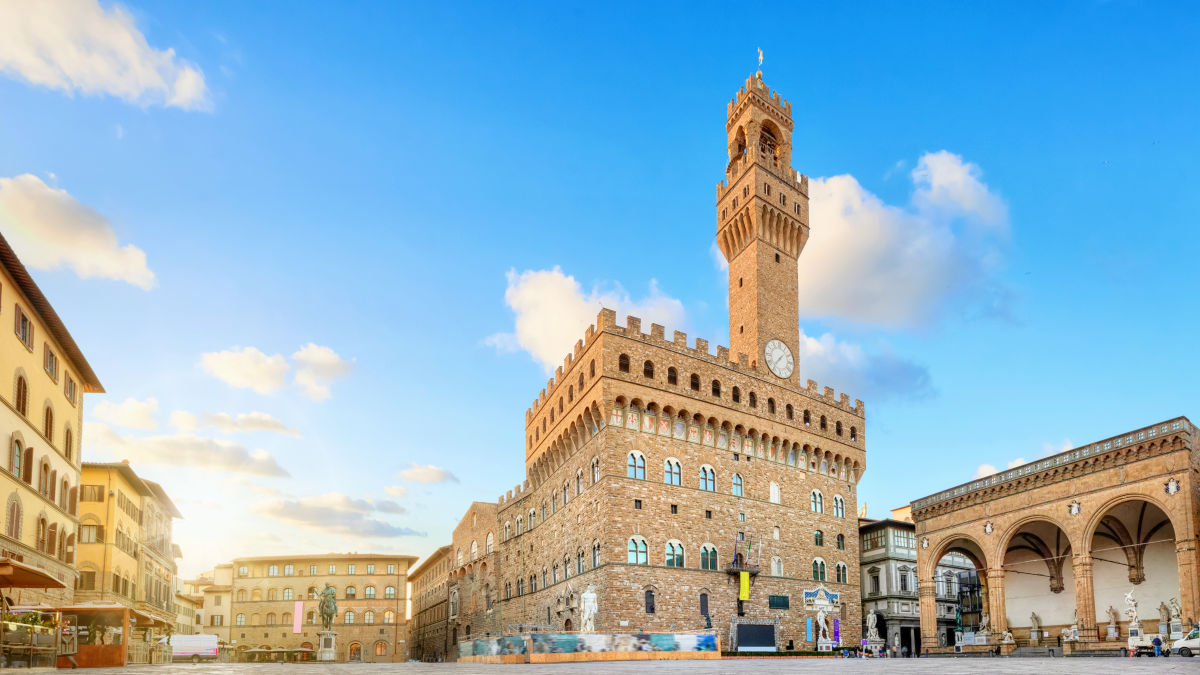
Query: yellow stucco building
(126, 554)
(41, 417)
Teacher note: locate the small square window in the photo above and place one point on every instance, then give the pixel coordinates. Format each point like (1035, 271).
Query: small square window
(741, 536)
(637, 503)
(708, 514)
(674, 508)
(741, 517)
(735, 457)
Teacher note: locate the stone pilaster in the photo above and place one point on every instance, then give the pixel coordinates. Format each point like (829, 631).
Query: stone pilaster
(927, 595)
(996, 606)
(1187, 560)
(1085, 597)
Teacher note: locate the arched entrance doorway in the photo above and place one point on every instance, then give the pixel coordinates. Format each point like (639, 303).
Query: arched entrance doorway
(355, 651)
(567, 625)
(953, 592)
(1039, 582)
(1133, 546)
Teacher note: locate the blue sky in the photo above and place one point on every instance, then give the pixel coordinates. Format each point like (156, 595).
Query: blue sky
(393, 186)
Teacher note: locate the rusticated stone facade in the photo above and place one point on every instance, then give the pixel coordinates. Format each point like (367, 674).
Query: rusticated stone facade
(1067, 536)
(429, 639)
(651, 462)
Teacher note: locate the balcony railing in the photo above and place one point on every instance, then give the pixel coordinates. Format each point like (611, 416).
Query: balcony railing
(738, 568)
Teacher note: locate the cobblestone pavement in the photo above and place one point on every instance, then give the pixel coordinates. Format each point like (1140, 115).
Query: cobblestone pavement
(1031, 666)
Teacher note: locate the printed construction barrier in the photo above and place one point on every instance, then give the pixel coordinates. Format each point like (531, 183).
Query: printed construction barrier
(559, 647)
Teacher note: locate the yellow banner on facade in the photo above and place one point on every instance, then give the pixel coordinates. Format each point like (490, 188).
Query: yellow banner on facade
(743, 585)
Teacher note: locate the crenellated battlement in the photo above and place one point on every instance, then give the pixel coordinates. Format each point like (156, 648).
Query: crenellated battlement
(514, 494)
(756, 87)
(793, 179)
(606, 322)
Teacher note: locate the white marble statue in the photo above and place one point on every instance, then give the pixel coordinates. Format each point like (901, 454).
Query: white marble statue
(1035, 622)
(872, 626)
(1113, 617)
(1007, 637)
(587, 606)
(1176, 612)
(1164, 613)
(1131, 607)
(822, 629)
(983, 623)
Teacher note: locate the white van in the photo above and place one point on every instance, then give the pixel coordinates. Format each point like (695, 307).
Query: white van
(1187, 645)
(194, 648)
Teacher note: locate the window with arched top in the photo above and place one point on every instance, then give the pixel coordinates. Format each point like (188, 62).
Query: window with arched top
(716, 388)
(474, 549)
(853, 433)
(623, 363)
(837, 428)
(841, 542)
(824, 426)
(807, 418)
(351, 592)
(771, 405)
(22, 397)
(13, 524)
(637, 551)
(272, 594)
(648, 369)
(695, 382)
(349, 618)
(489, 544)
(843, 573)
(389, 617)
(389, 592)
(708, 557)
(649, 602)
(591, 369)
(776, 566)
(672, 473)
(737, 485)
(753, 400)
(579, 562)
(520, 524)
(791, 457)
(708, 479)
(595, 554)
(672, 376)
(595, 470)
(736, 395)
(507, 531)
(369, 593)
(240, 620)
(15, 457)
(839, 507)
(368, 617)
(674, 554)
(818, 570)
(775, 497)
(48, 425)
(635, 466)
(818, 538)
(816, 502)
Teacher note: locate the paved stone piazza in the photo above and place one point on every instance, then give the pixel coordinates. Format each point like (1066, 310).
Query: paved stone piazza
(1041, 666)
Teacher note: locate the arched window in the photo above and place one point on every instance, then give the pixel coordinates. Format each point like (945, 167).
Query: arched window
(736, 395)
(671, 472)
(41, 534)
(837, 428)
(368, 617)
(816, 502)
(595, 470)
(579, 482)
(270, 618)
(839, 507)
(22, 396)
(507, 530)
(368, 593)
(14, 462)
(674, 554)
(807, 418)
(788, 409)
(792, 457)
(489, 544)
(818, 538)
(635, 466)
(737, 485)
(287, 594)
(853, 433)
(623, 363)
(579, 562)
(520, 524)
(695, 382)
(389, 592)
(474, 549)
(591, 369)
(48, 426)
(44, 478)
(389, 617)
(380, 648)
(349, 618)
(753, 400)
(818, 570)
(708, 479)
(312, 618)
(595, 554)
(649, 602)
(566, 493)
(841, 542)
(823, 425)
(708, 557)
(843, 573)
(775, 498)
(648, 369)
(771, 405)
(240, 620)
(272, 594)
(716, 388)
(776, 566)
(637, 551)
(554, 573)
(672, 376)
(351, 592)
(507, 590)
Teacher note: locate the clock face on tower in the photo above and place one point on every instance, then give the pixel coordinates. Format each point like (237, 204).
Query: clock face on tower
(779, 358)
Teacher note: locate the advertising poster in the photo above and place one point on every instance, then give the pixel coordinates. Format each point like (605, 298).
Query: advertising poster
(808, 628)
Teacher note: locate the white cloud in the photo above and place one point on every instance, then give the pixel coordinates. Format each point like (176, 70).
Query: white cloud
(336, 513)
(1055, 448)
(849, 368)
(182, 420)
(80, 46)
(397, 491)
(130, 413)
(983, 471)
(49, 228)
(252, 421)
(553, 312)
(182, 451)
(316, 367)
(426, 473)
(247, 368)
(902, 266)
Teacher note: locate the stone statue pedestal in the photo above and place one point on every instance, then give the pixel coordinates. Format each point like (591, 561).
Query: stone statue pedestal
(825, 645)
(1113, 632)
(876, 646)
(1176, 629)
(327, 647)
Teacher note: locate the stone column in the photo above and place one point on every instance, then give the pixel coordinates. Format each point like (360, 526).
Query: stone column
(1188, 563)
(1085, 597)
(927, 594)
(996, 608)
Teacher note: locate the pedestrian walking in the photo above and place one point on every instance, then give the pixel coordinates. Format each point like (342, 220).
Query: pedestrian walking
(1157, 646)
(904, 651)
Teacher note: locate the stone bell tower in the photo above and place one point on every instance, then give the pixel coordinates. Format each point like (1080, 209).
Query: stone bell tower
(762, 226)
